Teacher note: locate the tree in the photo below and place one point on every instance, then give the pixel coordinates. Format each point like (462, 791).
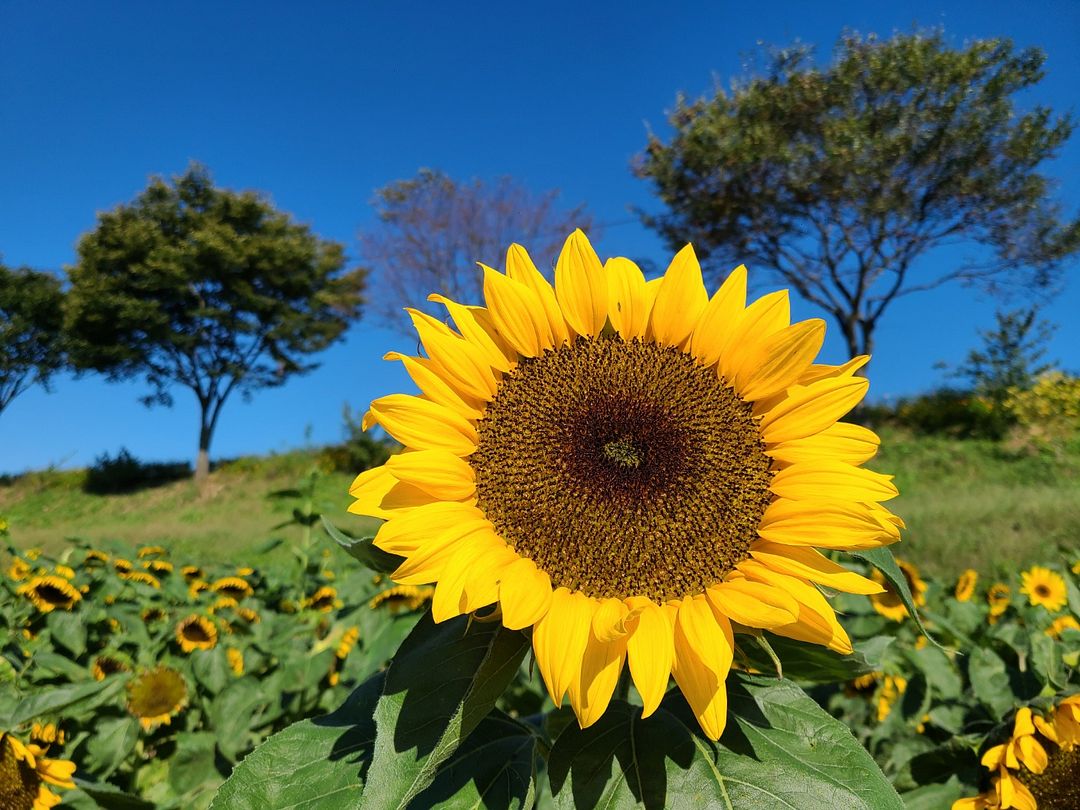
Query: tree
(31, 349)
(839, 179)
(209, 289)
(431, 230)
(1011, 354)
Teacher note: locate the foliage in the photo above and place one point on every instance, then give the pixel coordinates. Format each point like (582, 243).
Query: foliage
(431, 230)
(840, 179)
(361, 449)
(1049, 410)
(125, 473)
(944, 412)
(209, 289)
(31, 345)
(1011, 354)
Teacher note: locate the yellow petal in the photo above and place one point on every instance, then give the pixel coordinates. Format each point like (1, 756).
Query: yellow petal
(590, 692)
(520, 268)
(405, 534)
(559, 640)
(810, 564)
(483, 581)
(993, 757)
(458, 361)
(832, 480)
(753, 604)
(437, 472)
(524, 594)
(1032, 754)
(581, 286)
(421, 424)
(779, 360)
(609, 621)
(517, 313)
(435, 388)
(704, 647)
(680, 300)
(826, 524)
(651, 649)
(812, 408)
(379, 494)
(716, 326)
(762, 319)
(428, 562)
(471, 330)
(629, 302)
(821, 371)
(817, 622)
(448, 601)
(1014, 793)
(841, 441)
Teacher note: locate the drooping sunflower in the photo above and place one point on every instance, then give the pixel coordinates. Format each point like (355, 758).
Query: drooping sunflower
(401, 597)
(95, 558)
(156, 696)
(965, 585)
(105, 665)
(196, 633)
(50, 592)
(191, 573)
(888, 603)
(235, 587)
(1044, 587)
(25, 776)
(627, 467)
(158, 567)
(142, 577)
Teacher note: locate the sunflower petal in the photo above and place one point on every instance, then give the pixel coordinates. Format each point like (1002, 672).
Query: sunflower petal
(629, 301)
(464, 365)
(471, 330)
(524, 594)
(379, 494)
(405, 534)
(421, 424)
(753, 604)
(437, 472)
(521, 269)
(435, 388)
(779, 361)
(852, 444)
(826, 524)
(559, 640)
(428, 562)
(832, 480)
(581, 286)
(762, 319)
(517, 313)
(704, 647)
(812, 565)
(680, 300)
(812, 408)
(651, 650)
(817, 621)
(591, 691)
(716, 326)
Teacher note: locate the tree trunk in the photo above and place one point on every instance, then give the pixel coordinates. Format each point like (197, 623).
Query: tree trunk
(202, 460)
(858, 337)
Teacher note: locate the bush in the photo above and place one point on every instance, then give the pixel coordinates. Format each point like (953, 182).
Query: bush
(945, 412)
(125, 473)
(1049, 411)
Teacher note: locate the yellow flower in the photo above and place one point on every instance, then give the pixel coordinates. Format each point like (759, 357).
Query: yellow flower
(191, 573)
(32, 553)
(50, 592)
(1067, 722)
(3, 526)
(94, 558)
(892, 687)
(105, 665)
(1060, 624)
(998, 598)
(152, 551)
(1021, 749)
(122, 566)
(25, 775)
(158, 566)
(223, 602)
(19, 569)
(232, 586)
(249, 615)
(45, 735)
(1044, 587)
(628, 467)
(324, 599)
(236, 660)
(142, 577)
(197, 586)
(965, 585)
(245, 571)
(196, 633)
(408, 597)
(156, 696)
(888, 603)
(348, 640)
(65, 571)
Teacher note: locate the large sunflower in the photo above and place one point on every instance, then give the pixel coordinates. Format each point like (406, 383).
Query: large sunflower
(25, 776)
(156, 696)
(51, 592)
(1044, 587)
(628, 468)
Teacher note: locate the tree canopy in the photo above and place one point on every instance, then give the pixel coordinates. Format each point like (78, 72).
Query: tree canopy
(209, 289)
(838, 179)
(31, 317)
(431, 230)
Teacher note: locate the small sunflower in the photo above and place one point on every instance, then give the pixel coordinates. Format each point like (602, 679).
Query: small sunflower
(19, 569)
(222, 603)
(892, 687)
(95, 558)
(249, 615)
(142, 577)
(236, 660)
(401, 597)
(348, 640)
(25, 776)
(196, 633)
(158, 566)
(105, 665)
(1044, 587)
(192, 573)
(1075, 567)
(889, 604)
(122, 566)
(235, 587)
(324, 599)
(245, 571)
(197, 586)
(628, 467)
(998, 597)
(965, 585)
(50, 592)
(156, 696)
(152, 551)
(1061, 624)
(153, 615)
(45, 735)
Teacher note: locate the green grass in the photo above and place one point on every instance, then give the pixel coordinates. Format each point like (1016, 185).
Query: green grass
(967, 503)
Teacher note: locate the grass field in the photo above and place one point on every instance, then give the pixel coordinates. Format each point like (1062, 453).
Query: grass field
(967, 504)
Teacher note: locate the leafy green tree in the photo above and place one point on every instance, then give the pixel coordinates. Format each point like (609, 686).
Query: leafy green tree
(208, 289)
(841, 179)
(31, 346)
(1011, 355)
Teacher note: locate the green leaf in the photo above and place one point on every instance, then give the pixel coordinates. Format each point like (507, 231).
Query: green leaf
(103, 795)
(363, 550)
(1046, 660)
(211, 668)
(192, 764)
(934, 797)
(495, 767)
(69, 699)
(317, 764)
(882, 559)
(444, 679)
(940, 672)
(113, 740)
(780, 751)
(68, 630)
(990, 681)
(813, 663)
(230, 715)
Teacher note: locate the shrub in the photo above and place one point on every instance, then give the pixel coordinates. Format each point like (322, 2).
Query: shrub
(125, 473)
(1048, 411)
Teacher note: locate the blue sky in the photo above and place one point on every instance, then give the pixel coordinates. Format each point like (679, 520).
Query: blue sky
(318, 104)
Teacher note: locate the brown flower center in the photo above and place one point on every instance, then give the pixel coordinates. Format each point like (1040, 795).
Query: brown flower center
(19, 783)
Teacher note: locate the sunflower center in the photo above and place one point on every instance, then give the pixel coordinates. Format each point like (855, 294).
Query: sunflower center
(1042, 591)
(196, 632)
(52, 594)
(622, 468)
(19, 783)
(156, 693)
(1057, 787)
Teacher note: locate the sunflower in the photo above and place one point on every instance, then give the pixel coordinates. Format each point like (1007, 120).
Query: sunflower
(892, 687)
(152, 615)
(245, 571)
(196, 633)
(25, 775)
(236, 661)
(1044, 587)
(888, 603)
(998, 598)
(105, 665)
(19, 569)
(232, 586)
(627, 467)
(65, 571)
(142, 577)
(156, 695)
(407, 597)
(1061, 624)
(122, 566)
(324, 599)
(192, 573)
(44, 736)
(223, 602)
(197, 586)
(50, 592)
(348, 641)
(152, 551)
(95, 558)
(158, 566)
(965, 585)
(249, 615)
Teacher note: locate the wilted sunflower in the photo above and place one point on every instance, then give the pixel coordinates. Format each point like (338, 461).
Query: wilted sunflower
(105, 665)
(888, 603)
(1044, 587)
(50, 592)
(156, 695)
(627, 467)
(401, 597)
(25, 775)
(142, 577)
(196, 633)
(965, 585)
(232, 586)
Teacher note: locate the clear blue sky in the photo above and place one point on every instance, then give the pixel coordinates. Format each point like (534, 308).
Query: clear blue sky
(318, 104)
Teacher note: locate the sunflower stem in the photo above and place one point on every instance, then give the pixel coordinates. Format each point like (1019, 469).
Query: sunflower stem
(767, 647)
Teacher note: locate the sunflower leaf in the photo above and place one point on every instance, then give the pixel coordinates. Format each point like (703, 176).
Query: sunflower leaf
(882, 559)
(69, 699)
(780, 750)
(363, 550)
(811, 663)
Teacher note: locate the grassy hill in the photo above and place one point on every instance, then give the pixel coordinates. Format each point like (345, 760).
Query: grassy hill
(967, 503)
